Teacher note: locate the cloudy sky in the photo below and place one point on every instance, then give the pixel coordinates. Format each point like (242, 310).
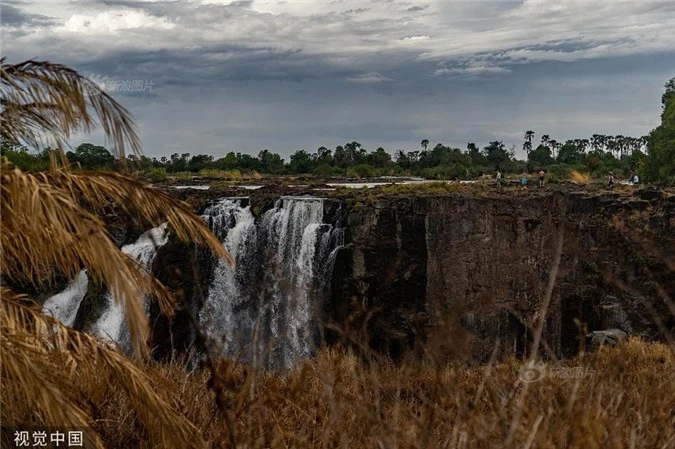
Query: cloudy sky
(212, 76)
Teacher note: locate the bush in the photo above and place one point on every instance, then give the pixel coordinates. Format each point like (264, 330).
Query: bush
(361, 171)
(156, 175)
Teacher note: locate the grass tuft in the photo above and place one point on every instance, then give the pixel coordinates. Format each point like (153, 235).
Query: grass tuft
(580, 177)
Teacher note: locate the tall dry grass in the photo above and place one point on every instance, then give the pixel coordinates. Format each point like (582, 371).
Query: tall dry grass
(580, 178)
(229, 175)
(619, 397)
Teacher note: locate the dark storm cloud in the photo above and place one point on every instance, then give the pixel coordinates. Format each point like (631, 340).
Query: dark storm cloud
(14, 17)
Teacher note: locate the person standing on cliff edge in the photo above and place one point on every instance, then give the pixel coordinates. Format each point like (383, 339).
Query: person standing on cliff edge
(499, 178)
(541, 178)
(610, 180)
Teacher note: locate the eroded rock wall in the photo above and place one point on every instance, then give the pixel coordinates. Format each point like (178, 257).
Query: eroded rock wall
(455, 275)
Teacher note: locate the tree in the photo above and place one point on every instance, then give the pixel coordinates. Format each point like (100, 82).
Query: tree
(570, 153)
(379, 158)
(669, 93)
(527, 145)
(302, 162)
(544, 140)
(352, 152)
(425, 144)
(477, 158)
(324, 156)
(495, 154)
(554, 146)
(271, 162)
(659, 165)
(402, 159)
(49, 230)
(541, 156)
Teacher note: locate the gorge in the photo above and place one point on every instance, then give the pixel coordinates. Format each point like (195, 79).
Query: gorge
(435, 275)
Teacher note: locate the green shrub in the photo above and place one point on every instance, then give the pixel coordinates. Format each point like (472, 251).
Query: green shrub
(156, 175)
(361, 171)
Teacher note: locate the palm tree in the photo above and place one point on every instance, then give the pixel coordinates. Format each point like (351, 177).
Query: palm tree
(553, 144)
(544, 140)
(425, 144)
(49, 229)
(529, 135)
(527, 145)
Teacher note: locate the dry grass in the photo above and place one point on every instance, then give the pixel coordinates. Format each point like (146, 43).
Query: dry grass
(580, 178)
(619, 398)
(229, 175)
(183, 176)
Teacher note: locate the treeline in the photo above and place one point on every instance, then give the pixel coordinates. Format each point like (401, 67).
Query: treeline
(352, 160)
(652, 156)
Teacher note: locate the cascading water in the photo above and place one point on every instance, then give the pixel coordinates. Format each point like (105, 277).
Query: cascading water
(64, 305)
(265, 309)
(111, 324)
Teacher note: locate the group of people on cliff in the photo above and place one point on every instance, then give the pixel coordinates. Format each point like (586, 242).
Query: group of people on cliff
(633, 180)
(524, 179)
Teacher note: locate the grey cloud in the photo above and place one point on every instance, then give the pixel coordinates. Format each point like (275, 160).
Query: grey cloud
(15, 17)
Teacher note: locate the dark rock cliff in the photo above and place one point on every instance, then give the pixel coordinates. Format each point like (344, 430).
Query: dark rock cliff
(450, 276)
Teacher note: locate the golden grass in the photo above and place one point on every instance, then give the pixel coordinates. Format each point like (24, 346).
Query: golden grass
(579, 177)
(616, 398)
(53, 376)
(229, 175)
(181, 176)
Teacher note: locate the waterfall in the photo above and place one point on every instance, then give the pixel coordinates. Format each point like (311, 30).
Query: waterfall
(266, 309)
(64, 305)
(111, 324)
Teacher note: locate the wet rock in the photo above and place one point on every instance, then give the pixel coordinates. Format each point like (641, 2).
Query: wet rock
(606, 337)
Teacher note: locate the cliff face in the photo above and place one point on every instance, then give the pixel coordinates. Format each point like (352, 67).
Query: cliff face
(452, 275)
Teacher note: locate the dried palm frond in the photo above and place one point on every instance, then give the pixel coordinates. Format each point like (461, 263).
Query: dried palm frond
(51, 374)
(45, 104)
(45, 231)
(49, 227)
